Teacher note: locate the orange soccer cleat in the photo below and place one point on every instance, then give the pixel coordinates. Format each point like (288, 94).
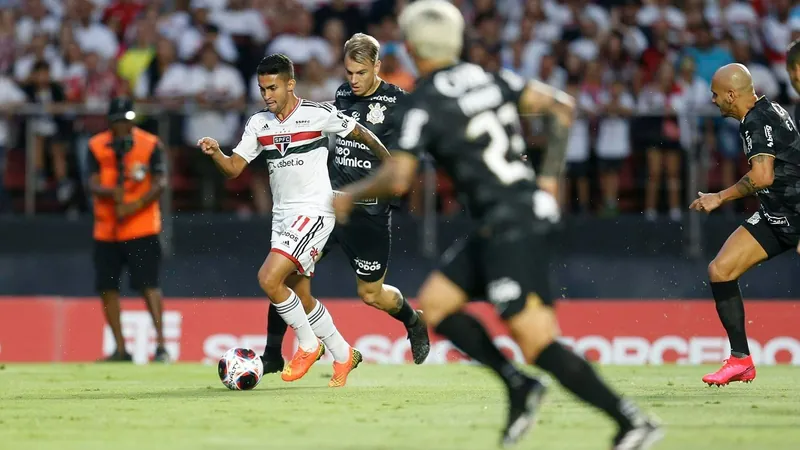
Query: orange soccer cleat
(734, 369)
(342, 370)
(301, 362)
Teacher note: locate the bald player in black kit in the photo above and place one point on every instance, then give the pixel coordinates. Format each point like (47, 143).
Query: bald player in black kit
(772, 146)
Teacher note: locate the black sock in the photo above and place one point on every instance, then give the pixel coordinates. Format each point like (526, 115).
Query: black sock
(276, 329)
(466, 333)
(407, 315)
(575, 374)
(730, 309)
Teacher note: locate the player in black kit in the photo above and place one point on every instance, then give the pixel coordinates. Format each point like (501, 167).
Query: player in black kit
(772, 146)
(468, 121)
(366, 240)
(793, 68)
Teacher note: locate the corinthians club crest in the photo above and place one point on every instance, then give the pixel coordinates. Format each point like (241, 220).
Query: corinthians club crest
(375, 114)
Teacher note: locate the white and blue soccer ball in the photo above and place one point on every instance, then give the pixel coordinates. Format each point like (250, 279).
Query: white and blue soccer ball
(240, 369)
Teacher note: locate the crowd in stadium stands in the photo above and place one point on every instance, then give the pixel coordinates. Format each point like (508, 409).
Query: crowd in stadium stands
(639, 69)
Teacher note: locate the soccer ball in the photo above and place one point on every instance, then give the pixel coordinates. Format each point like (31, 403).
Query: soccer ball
(240, 369)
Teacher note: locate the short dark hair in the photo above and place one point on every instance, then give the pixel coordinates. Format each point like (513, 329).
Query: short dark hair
(793, 54)
(40, 65)
(276, 64)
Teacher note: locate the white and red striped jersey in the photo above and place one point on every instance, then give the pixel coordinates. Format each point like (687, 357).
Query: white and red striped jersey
(297, 155)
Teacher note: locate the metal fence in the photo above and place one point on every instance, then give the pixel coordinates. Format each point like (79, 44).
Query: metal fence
(697, 161)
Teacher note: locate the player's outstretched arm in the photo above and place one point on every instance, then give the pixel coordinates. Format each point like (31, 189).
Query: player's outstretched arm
(393, 179)
(361, 134)
(760, 176)
(230, 166)
(539, 98)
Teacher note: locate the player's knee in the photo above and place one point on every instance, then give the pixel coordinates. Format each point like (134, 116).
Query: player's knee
(434, 312)
(719, 271)
(269, 280)
(534, 328)
(370, 294)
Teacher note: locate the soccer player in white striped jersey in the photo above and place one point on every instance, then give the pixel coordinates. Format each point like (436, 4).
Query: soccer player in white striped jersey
(292, 133)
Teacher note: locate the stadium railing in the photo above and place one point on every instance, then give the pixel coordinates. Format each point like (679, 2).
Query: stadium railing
(697, 164)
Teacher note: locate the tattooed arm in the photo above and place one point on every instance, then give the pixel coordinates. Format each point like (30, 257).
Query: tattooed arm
(759, 177)
(361, 134)
(539, 98)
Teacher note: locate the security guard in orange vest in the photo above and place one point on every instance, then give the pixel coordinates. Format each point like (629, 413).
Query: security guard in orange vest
(128, 176)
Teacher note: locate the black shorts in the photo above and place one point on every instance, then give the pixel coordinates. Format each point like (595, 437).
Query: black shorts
(366, 240)
(142, 256)
(772, 239)
(610, 165)
(505, 271)
(577, 169)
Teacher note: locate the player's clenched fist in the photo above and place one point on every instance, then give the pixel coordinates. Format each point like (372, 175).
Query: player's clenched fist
(208, 145)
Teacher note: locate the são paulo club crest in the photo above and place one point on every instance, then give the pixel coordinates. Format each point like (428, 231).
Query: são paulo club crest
(282, 142)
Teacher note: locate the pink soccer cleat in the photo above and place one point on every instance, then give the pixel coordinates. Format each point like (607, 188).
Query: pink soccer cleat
(734, 369)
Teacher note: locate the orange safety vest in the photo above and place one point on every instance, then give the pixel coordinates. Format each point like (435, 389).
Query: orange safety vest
(146, 221)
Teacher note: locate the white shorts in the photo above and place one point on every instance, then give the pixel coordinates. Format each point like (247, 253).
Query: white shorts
(301, 239)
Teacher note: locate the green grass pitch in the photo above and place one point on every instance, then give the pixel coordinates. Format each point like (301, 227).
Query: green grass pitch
(184, 406)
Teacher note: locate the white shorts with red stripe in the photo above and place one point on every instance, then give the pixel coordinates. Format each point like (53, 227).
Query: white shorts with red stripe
(301, 239)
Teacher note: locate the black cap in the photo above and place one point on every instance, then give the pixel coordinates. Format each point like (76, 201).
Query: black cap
(121, 108)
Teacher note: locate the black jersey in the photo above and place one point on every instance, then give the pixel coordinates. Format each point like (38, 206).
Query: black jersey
(352, 160)
(767, 129)
(796, 115)
(467, 119)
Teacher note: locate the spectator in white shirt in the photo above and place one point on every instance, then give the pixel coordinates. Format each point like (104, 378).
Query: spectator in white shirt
(164, 78)
(241, 21)
(764, 79)
(39, 50)
(164, 83)
(301, 46)
(317, 84)
(551, 73)
(658, 101)
(36, 20)
(662, 10)
(618, 63)
(585, 47)
(219, 93)
(776, 30)
(91, 35)
(201, 33)
(511, 56)
(335, 35)
(623, 20)
(695, 110)
(738, 18)
(578, 145)
(616, 106)
(11, 96)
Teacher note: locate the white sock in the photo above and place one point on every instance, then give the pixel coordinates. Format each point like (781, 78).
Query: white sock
(322, 324)
(293, 314)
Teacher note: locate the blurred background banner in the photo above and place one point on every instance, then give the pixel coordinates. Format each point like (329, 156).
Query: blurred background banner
(45, 329)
